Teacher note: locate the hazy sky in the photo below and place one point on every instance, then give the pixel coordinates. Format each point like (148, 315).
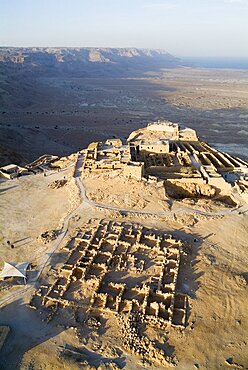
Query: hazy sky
(183, 27)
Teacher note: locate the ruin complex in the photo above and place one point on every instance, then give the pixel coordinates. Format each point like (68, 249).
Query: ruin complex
(126, 232)
(100, 255)
(167, 151)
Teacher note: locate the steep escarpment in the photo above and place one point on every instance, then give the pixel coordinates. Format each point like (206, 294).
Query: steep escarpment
(85, 61)
(24, 71)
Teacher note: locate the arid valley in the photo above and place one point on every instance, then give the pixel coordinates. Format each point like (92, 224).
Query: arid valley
(60, 114)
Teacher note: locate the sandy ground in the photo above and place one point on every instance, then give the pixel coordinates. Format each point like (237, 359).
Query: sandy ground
(114, 189)
(204, 88)
(218, 322)
(215, 279)
(213, 274)
(28, 208)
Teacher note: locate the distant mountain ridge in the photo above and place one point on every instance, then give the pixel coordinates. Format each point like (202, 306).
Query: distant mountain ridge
(84, 62)
(84, 55)
(25, 72)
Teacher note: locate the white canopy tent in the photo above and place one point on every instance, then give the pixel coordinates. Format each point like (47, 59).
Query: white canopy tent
(17, 269)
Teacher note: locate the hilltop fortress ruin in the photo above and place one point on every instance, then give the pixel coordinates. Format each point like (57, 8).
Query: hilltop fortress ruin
(161, 151)
(166, 151)
(122, 234)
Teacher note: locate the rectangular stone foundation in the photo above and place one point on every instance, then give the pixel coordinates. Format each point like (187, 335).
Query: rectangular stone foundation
(131, 269)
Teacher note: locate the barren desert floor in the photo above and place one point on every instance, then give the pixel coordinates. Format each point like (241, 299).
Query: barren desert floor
(66, 114)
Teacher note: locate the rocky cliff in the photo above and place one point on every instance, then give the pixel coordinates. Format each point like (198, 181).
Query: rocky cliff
(85, 61)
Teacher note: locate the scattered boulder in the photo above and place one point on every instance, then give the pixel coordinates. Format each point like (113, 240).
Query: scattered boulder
(49, 236)
(181, 190)
(57, 184)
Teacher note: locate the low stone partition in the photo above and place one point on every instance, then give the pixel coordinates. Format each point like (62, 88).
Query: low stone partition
(130, 269)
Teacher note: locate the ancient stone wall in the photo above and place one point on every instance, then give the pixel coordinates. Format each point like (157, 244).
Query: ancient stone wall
(100, 256)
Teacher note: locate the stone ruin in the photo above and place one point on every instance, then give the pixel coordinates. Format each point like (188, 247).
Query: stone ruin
(57, 184)
(169, 152)
(129, 268)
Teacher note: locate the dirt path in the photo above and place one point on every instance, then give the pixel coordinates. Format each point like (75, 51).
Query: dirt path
(54, 246)
(84, 198)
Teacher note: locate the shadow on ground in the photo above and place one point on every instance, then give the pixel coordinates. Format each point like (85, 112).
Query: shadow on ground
(189, 274)
(26, 332)
(4, 190)
(94, 359)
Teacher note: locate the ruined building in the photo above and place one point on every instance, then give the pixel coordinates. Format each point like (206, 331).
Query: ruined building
(168, 151)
